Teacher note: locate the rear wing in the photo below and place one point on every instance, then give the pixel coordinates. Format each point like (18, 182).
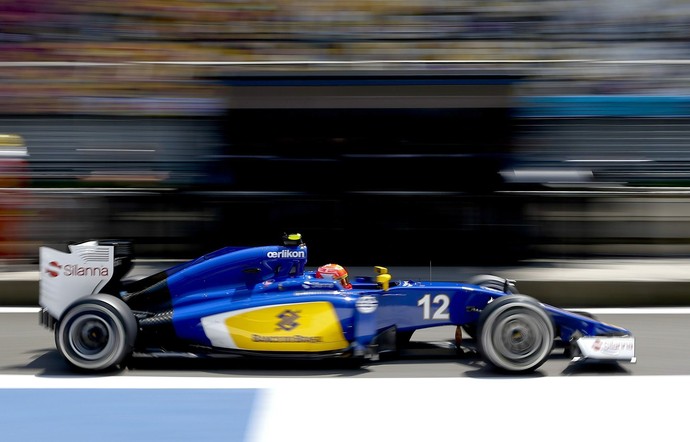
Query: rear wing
(67, 277)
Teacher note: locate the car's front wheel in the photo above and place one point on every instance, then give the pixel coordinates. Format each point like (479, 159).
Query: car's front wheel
(490, 282)
(515, 334)
(96, 333)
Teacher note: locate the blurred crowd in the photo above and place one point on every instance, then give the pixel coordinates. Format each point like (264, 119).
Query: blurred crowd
(152, 56)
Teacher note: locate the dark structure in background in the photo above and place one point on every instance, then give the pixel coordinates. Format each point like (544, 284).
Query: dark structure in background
(393, 132)
(395, 167)
(371, 167)
(604, 175)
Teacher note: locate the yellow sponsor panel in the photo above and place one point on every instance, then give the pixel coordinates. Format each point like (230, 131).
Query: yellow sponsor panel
(305, 327)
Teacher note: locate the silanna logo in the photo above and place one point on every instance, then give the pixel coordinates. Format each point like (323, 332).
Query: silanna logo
(288, 320)
(54, 269)
(286, 254)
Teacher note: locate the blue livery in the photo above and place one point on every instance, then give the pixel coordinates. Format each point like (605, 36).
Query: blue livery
(261, 301)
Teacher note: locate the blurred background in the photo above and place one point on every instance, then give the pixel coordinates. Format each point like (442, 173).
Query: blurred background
(401, 132)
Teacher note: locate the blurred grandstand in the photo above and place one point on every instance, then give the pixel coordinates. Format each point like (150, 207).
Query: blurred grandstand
(132, 131)
(145, 57)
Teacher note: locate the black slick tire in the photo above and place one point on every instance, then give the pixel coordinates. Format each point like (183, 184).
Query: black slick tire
(96, 333)
(515, 334)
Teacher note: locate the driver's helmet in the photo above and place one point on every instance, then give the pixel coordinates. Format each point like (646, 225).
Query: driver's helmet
(334, 272)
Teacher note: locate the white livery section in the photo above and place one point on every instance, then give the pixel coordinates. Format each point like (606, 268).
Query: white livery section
(217, 331)
(67, 277)
(614, 348)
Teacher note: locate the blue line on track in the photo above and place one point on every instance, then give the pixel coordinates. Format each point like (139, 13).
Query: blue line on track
(130, 415)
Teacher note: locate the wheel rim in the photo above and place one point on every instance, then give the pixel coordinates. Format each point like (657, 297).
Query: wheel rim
(517, 338)
(90, 337)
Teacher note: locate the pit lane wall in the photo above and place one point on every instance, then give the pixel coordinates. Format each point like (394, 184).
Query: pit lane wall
(589, 283)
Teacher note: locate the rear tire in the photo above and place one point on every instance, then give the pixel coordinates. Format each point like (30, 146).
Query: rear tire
(515, 334)
(96, 333)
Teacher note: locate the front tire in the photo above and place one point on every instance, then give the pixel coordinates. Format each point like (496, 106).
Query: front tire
(494, 282)
(96, 333)
(515, 334)
(489, 282)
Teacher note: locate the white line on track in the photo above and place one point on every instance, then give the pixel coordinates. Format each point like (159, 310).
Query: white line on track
(19, 309)
(514, 409)
(637, 310)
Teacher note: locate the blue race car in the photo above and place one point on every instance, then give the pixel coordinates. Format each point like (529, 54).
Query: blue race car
(261, 301)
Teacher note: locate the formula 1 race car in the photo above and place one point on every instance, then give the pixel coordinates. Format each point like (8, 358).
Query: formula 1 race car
(261, 301)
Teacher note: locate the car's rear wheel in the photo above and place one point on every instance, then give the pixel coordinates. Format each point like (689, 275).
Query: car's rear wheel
(515, 334)
(97, 333)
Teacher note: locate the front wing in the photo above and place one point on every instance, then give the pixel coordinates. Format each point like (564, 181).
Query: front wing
(608, 348)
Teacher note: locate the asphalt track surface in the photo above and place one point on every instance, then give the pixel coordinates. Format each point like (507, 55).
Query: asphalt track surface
(429, 393)
(662, 343)
(661, 333)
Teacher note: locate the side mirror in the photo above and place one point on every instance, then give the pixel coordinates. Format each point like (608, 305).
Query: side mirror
(383, 279)
(252, 276)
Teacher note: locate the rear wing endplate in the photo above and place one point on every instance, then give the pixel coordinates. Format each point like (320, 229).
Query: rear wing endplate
(67, 277)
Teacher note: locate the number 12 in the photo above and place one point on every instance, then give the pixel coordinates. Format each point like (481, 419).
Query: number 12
(441, 312)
